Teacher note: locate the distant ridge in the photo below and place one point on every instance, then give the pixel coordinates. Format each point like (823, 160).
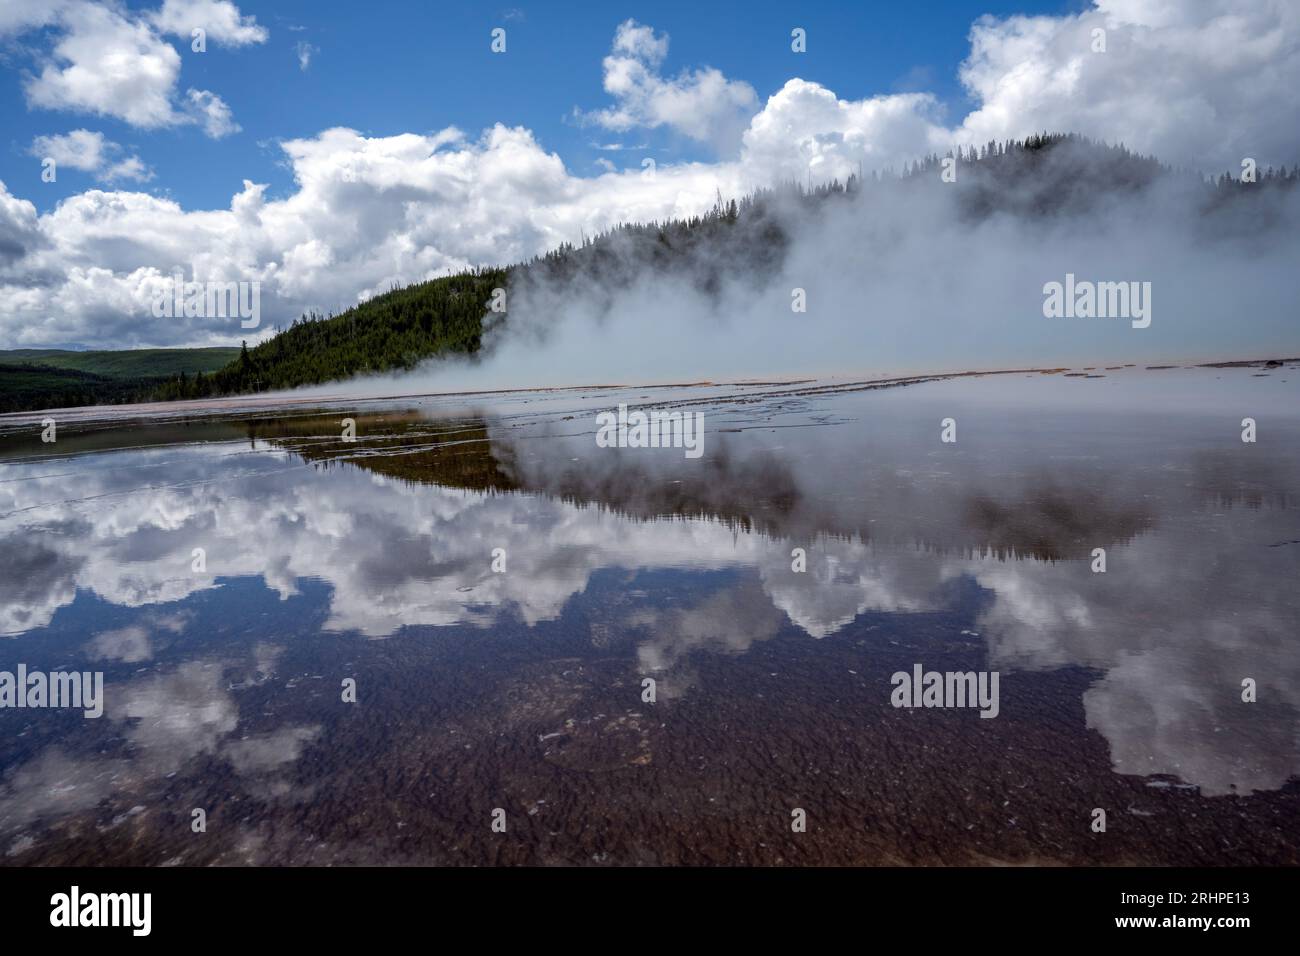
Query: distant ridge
(62, 378)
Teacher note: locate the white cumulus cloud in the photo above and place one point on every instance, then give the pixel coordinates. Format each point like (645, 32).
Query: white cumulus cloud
(219, 19)
(106, 60)
(90, 152)
(702, 104)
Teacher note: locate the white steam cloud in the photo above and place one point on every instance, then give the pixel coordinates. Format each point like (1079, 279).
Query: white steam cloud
(914, 276)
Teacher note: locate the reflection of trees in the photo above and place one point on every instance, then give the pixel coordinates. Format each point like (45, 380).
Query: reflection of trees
(1226, 480)
(1051, 523)
(402, 445)
(1049, 518)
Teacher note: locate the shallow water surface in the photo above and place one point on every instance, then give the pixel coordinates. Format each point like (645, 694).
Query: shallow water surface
(499, 588)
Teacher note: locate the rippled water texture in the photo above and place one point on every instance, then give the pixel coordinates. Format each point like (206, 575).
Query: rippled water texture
(522, 689)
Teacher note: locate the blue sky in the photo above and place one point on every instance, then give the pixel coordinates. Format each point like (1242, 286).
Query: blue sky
(386, 67)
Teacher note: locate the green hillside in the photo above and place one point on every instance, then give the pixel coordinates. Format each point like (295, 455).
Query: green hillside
(26, 387)
(395, 330)
(61, 378)
(130, 363)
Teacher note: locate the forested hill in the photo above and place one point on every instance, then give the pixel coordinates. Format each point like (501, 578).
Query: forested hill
(61, 378)
(1042, 176)
(393, 331)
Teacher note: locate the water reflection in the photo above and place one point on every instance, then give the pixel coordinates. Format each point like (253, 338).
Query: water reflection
(623, 564)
